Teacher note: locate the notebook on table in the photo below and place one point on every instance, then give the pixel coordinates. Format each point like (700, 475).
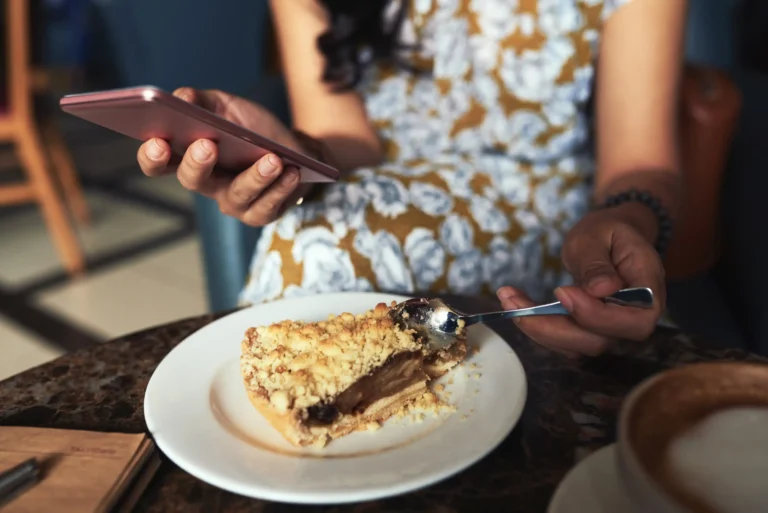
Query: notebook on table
(81, 471)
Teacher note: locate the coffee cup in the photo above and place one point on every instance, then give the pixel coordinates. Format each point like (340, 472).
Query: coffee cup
(684, 440)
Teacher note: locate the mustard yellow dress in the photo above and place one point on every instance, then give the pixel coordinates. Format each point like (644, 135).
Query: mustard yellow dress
(488, 164)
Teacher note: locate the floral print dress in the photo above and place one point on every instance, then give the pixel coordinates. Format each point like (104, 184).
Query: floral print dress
(488, 160)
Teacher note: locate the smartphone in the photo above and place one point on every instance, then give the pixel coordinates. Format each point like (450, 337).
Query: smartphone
(146, 112)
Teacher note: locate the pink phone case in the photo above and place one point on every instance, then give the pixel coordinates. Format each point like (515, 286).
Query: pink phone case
(147, 112)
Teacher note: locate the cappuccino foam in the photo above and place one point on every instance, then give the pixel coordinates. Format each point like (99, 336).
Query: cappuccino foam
(724, 460)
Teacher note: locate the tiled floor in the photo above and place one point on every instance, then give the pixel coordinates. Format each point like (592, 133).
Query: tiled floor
(143, 292)
(27, 251)
(160, 284)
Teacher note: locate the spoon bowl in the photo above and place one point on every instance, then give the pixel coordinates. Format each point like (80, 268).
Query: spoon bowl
(431, 318)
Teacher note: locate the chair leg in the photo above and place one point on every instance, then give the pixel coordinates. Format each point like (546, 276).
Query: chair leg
(64, 168)
(32, 156)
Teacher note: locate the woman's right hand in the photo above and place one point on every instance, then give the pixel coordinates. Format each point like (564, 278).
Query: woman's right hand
(256, 196)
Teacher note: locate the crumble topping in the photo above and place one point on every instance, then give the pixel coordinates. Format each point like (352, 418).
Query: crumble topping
(298, 365)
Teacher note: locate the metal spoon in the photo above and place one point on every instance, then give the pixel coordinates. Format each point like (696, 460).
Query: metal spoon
(438, 323)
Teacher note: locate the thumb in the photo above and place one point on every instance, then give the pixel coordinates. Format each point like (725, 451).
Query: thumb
(210, 100)
(592, 268)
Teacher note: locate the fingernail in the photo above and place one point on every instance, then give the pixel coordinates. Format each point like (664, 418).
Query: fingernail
(154, 151)
(564, 298)
(201, 151)
(505, 293)
(268, 166)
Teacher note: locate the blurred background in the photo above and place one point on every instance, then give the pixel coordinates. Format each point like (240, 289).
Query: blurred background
(146, 252)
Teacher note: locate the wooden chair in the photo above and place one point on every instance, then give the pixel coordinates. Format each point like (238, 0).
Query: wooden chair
(43, 169)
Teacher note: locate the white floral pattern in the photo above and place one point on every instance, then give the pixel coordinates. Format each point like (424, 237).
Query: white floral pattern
(327, 267)
(488, 162)
(456, 235)
(389, 265)
(426, 257)
(430, 199)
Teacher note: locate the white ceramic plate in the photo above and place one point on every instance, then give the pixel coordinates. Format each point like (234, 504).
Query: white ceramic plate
(198, 412)
(593, 485)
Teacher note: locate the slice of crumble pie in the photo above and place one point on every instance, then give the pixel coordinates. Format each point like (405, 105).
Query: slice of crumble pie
(319, 381)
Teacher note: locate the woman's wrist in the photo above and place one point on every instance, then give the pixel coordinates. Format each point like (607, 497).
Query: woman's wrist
(663, 185)
(640, 217)
(647, 200)
(646, 213)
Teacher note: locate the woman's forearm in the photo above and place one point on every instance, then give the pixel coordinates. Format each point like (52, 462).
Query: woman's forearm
(336, 118)
(637, 105)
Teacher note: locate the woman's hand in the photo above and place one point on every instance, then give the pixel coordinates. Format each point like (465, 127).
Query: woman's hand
(604, 252)
(257, 195)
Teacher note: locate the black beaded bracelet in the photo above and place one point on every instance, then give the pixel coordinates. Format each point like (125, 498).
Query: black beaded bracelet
(664, 235)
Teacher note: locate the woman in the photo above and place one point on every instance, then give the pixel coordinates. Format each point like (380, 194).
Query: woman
(461, 128)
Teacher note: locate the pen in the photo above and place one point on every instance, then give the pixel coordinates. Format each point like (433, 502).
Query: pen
(18, 478)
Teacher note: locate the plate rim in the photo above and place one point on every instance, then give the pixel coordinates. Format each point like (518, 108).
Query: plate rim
(333, 496)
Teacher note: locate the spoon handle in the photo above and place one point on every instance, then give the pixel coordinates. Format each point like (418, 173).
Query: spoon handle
(639, 297)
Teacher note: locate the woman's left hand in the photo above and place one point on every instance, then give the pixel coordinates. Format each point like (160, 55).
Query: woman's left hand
(604, 252)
